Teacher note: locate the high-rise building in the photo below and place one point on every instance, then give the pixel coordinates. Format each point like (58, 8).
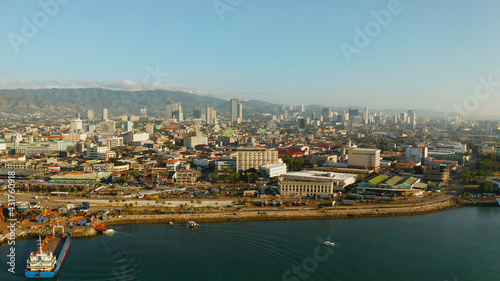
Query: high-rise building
(88, 114)
(144, 113)
(367, 158)
(303, 108)
(108, 127)
(301, 123)
(326, 113)
(236, 111)
(365, 115)
(412, 118)
(104, 114)
(416, 154)
(76, 126)
(174, 110)
(211, 116)
(403, 117)
(77, 116)
(254, 157)
(150, 128)
(169, 110)
(178, 114)
(129, 126)
(197, 113)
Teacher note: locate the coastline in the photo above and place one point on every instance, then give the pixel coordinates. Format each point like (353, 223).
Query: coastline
(275, 215)
(267, 215)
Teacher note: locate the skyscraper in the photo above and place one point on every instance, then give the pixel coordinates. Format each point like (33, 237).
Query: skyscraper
(169, 111)
(144, 113)
(129, 126)
(178, 113)
(88, 114)
(197, 113)
(236, 111)
(326, 113)
(301, 123)
(174, 110)
(104, 114)
(211, 115)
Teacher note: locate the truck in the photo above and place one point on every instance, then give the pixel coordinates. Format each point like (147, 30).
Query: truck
(354, 196)
(349, 202)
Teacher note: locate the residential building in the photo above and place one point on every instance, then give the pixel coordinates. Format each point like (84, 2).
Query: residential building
(416, 154)
(367, 158)
(129, 126)
(254, 157)
(104, 114)
(211, 116)
(186, 176)
(236, 111)
(191, 142)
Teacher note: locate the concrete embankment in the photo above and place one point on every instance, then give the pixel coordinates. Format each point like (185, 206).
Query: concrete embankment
(283, 214)
(77, 232)
(340, 212)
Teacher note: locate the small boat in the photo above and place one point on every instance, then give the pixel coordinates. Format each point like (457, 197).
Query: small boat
(328, 243)
(498, 200)
(109, 231)
(170, 223)
(192, 224)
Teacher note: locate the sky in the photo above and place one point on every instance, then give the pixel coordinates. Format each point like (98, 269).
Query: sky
(433, 55)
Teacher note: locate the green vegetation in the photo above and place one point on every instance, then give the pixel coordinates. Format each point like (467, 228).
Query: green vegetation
(293, 164)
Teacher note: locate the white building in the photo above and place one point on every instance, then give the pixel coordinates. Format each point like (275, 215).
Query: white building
(254, 157)
(312, 183)
(236, 111)
(273, 170)
(76, 125)
(100, 153)
(104, 114)
(366, 158)
(43, 148)
(135, 139)
(211, 116)
(129, 126)
(112, 142)
(190, 142)
(416, 154)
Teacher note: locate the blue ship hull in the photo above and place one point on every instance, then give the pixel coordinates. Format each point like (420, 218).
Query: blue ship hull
(60, 259)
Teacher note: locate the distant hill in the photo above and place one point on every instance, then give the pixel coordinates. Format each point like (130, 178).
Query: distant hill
(124, 102)
(30, 105)
(63, 101)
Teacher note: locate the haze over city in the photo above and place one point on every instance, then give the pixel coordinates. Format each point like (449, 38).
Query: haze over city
(381, 54)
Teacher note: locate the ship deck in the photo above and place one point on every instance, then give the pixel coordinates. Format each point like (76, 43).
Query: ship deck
(55, 245)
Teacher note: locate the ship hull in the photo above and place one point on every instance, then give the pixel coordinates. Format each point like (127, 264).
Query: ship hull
(60, 258)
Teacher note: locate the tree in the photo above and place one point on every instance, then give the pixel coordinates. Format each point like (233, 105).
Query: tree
(253, 177)
(486, 187)
(234, 177)
(215, 176)
(135, 173)
(70, 148)
(122, 180)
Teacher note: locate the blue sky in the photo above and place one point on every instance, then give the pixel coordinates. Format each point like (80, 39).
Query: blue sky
(428, 56)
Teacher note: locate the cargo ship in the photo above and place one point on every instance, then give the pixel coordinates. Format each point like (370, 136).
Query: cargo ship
(46, 262)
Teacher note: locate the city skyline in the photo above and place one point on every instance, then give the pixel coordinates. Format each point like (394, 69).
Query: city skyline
(305, 53)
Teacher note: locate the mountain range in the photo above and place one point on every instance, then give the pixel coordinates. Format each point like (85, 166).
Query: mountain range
(61, 101)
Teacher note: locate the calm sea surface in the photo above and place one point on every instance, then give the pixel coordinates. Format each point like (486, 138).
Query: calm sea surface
(456, 245)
